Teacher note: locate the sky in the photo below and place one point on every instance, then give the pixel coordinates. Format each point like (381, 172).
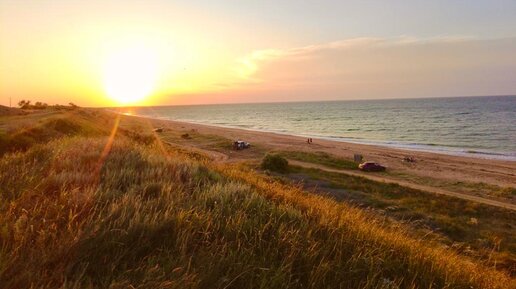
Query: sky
(112, 53)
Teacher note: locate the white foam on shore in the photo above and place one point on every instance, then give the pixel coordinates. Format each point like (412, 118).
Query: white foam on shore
(439, 149)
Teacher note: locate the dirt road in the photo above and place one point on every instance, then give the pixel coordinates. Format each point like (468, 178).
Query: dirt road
(221, 158)
(407, 184)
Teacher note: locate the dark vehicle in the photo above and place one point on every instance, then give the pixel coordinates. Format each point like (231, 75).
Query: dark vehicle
(371, 167)
(240, 145)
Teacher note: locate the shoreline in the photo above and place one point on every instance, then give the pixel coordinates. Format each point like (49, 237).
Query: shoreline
(398, 145)
(429, 166)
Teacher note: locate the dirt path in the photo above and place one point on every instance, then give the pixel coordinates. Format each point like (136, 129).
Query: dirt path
(407, 184)
(443, 168)
(221, 158)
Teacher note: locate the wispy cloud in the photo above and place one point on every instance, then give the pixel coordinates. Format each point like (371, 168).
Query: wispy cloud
(251, 63)
(384, 67)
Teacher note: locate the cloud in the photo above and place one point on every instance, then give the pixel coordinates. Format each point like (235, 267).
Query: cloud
(382, 67)
(249, 64)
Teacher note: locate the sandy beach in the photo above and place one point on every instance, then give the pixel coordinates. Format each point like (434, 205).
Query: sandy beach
(433, 169)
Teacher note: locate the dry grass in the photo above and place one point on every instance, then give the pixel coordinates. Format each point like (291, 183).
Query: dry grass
(149, 217)
(492, 237)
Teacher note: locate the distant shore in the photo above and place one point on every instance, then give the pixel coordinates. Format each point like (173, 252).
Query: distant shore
(438, 166)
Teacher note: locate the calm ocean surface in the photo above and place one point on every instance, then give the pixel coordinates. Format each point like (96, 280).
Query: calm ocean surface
(476, 126)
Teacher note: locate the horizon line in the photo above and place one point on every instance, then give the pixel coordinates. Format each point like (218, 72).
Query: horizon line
(308, 101)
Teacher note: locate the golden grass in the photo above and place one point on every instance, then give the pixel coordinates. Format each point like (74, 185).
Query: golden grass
(392, 245)
(155, 218)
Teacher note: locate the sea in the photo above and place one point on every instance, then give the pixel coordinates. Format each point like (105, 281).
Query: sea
(483, 127)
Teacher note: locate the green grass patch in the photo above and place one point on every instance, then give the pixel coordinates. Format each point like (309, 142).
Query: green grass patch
(321, 158)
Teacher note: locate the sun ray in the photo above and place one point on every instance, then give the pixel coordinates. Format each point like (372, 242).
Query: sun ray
(106, 150)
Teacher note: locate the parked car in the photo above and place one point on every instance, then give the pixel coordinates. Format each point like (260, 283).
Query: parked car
(240, 145)
(371, 167)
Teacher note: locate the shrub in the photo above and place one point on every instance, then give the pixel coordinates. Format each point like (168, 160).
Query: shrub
(26, 104)
(275, 163)
(40, 105)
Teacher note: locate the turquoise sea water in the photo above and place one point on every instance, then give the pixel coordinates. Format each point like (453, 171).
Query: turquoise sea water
(476, 126)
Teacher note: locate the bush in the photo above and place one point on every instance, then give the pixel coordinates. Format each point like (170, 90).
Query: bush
(275, 163)
(25, 104)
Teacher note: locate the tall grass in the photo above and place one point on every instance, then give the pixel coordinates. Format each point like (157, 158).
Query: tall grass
(492, 237)
(157, 219)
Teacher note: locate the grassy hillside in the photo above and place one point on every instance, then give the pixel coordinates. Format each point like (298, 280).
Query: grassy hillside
(5, 110)
(477, 230)
(88, 207)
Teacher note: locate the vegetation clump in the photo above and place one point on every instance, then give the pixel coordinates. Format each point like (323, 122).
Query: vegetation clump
(275, 163)
(26, 104)
(38, 105)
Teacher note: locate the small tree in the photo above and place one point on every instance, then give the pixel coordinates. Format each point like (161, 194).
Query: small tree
(24, 104)
(275, 163)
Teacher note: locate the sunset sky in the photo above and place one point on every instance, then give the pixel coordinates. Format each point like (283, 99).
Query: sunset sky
(105, 53)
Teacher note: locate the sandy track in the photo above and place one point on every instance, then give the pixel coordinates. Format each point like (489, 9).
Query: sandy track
(221, 158)
(407, 184)
(444, 170)
(437, 166)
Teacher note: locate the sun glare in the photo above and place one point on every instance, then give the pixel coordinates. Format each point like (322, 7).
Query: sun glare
(130, 74)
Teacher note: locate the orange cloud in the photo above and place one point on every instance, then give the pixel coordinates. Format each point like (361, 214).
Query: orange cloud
(379, 67)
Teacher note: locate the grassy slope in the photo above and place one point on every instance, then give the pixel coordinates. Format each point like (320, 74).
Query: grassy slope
(149, 217)
(492, 237)
(5, 110)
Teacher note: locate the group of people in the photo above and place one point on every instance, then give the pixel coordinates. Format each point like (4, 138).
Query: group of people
(309, 140)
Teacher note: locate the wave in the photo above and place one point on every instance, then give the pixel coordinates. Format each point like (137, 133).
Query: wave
(478, 127)
(435, 148)
(414, 146)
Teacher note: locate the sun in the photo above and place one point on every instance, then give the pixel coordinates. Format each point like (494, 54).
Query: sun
(129, 74)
